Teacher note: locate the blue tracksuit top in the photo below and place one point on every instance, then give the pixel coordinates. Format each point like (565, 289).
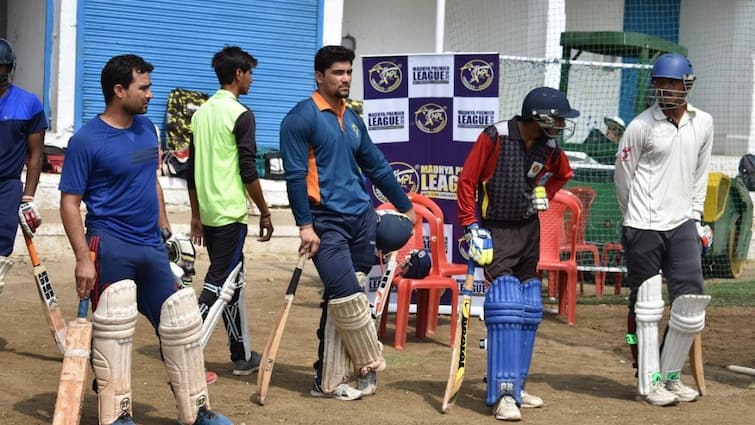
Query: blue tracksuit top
(325, 153)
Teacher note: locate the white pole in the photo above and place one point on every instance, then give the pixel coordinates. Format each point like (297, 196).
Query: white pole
(440, 24)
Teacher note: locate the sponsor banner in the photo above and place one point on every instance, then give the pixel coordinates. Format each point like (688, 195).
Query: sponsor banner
(387, 120)
(431, 76)
(472, 115)
(422, 111)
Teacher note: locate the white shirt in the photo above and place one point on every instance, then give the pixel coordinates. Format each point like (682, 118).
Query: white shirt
(662, 171)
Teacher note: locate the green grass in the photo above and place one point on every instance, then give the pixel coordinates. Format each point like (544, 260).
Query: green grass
(722, 292)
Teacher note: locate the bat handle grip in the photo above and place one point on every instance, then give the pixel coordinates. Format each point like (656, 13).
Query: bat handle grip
(83, 308)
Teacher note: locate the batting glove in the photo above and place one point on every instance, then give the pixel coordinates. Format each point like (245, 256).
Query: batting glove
(480, 244)
(29, 216)
(706, 236)
(539, 199)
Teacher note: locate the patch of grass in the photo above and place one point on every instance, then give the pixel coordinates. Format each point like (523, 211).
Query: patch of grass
(722, 292)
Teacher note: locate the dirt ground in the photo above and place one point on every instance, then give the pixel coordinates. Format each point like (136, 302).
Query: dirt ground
(583, 372)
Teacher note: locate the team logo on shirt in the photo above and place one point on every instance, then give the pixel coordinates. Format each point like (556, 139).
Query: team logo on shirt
(355, 129)
(407, 177)
(385, 76)
(625, 153)
(431, 118)
(476, 75)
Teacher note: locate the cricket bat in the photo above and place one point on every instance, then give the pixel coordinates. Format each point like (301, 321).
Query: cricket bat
(383, 292)
(459, 352)
(696, 363)
(273, 342)
(50, 306)
(74, 372)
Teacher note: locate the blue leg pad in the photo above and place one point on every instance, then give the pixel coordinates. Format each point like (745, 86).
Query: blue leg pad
(504, 313)
(533, 315)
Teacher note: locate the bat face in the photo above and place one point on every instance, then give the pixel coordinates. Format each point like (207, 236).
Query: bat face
(50, 306)
(73, 375)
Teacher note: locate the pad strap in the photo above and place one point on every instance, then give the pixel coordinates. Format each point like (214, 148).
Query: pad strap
(180, 331)
(113, 325)
(687, 319)
(648, 312)
(5, 265)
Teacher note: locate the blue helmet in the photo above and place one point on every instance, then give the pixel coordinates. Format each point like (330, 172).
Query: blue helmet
(417, 264)
(393, 230)
(544, 105)
(7, 57)
(675, 67)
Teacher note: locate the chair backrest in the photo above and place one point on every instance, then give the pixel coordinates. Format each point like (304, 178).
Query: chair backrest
(586, 195)
(564, 212)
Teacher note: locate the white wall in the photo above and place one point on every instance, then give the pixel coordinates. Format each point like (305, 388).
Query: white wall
(26, 31)
(388, 27)
(719, 37)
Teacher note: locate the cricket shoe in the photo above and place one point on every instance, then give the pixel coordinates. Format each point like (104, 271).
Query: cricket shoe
(683, 392)
(342, 392)
(506, 410)
(530, 401)
(367, 384)
(124, 419)
(206, 416)
(244, 367)
(660, 396)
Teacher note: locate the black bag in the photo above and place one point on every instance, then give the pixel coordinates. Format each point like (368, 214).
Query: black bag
(273, 165)
(747, 170)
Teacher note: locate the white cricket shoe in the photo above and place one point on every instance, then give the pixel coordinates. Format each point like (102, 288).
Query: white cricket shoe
(683, 392)
(342, 392)
(530, 401)
(660, 396)
(367, 384)
(507, 410)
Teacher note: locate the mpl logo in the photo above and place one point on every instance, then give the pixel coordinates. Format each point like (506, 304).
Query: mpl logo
(477, 75)
(385, 76)
(431, 118)
(407, 177)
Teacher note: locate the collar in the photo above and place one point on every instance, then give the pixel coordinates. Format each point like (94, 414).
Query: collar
(658, 114)
(223, 93)
(323, 104)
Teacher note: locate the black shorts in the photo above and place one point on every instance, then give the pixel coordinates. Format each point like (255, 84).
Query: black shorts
(516, 250)
(676, 252)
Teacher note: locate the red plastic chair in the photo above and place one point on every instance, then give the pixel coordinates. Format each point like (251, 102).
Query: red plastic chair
(426, 298)
(605, 256)
(562, 274)
(586, 195)
(439, 257)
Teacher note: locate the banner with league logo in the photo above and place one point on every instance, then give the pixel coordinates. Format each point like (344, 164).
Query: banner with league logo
(424, 112)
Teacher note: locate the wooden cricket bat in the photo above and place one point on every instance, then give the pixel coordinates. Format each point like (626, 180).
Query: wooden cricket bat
(273, 342)
(696, 363)
(459, 352)
(74, 372)
(383, 292)
(50, 306)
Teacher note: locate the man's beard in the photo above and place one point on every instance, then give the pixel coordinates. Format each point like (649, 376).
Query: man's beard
(4, 81)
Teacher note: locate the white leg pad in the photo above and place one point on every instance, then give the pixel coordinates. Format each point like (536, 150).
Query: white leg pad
(354, 323)
(336, 367)
(648, 312)
(686, 320)
(113, 325)
(5, 265)
(361, 278)
(180, 332)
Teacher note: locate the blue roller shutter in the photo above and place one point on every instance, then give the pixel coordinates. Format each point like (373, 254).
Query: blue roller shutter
(179, 39)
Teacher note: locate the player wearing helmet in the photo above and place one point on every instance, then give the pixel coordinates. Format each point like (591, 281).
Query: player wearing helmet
(661, 179)
(512, 170)
(326, 148)
(22, 132)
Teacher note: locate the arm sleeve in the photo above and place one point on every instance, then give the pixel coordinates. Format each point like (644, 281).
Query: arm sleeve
(244, 130)
(294, 143)
(373, 163)
(190, 182)
(470, 178)
(562, 173)
(627, 158)
(701, 175)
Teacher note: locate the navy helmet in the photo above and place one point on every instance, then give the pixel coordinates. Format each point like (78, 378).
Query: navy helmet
(417, 264)
(393, 230)
(7, 56)
(544, 105)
